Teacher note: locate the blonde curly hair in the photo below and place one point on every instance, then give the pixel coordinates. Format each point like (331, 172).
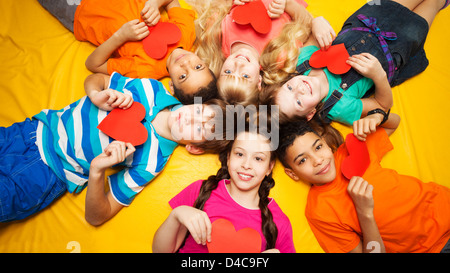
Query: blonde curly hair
(278, 58)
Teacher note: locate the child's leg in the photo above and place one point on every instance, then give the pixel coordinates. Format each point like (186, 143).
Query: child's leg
(429, 8)
(27, 185)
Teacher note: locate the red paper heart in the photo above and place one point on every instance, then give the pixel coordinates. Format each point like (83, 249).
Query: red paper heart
(125, 125)
(255, 14)
(334, 59)
(161, 36)
(358, 159)
(225, 239)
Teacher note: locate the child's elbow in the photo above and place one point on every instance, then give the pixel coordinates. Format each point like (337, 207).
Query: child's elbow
(93, 221)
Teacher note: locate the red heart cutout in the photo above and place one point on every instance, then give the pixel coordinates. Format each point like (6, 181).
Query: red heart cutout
(161, 36)
(358, 159)
(225, 239)
(334, 59)
(255, 14)
(125, 125)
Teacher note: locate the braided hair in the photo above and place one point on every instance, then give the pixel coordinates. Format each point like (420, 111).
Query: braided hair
(268, 226)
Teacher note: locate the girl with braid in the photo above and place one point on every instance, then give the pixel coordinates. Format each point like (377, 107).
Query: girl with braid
(238, 193)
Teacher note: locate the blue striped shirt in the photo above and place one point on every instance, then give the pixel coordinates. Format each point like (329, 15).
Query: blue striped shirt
(68, 139)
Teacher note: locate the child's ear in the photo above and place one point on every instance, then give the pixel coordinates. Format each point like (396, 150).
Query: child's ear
(260, 83)
(291, 174)
(271, 165)
(311, 114)
(194, 149)
(171, 86)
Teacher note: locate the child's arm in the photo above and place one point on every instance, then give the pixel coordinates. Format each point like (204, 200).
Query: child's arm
(361, 193)
(101, 206)
(150, 13)
(130, 31)
(369, 66)
(105, 99)
(368, 125)
(170, 235)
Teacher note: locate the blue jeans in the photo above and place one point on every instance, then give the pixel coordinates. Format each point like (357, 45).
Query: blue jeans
(27, 184)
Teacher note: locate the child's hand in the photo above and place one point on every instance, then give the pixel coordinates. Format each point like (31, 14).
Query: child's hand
(150, 14)
(196, 221)
(361, 193)
(367, 65)
(240, 2)
(133, 31)
(272, 250)
(276, 8)
(365, 126)
(114, 153)
(323, 32)
(109, 99)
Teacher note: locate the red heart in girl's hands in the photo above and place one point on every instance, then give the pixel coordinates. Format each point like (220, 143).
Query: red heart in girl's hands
(335, 59)
(125, 125)
(255, 14)
(161, 36)
(358, 159)
(225, 239)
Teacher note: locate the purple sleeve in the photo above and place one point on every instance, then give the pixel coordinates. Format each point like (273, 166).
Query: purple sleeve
(187, 196)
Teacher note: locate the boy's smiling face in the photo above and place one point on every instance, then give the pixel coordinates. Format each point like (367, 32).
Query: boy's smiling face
(311, 160)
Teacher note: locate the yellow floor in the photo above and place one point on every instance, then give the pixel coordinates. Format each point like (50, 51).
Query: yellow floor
(42, 66)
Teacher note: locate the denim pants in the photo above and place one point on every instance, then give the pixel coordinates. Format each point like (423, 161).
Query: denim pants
(407, 50)
(27, 184)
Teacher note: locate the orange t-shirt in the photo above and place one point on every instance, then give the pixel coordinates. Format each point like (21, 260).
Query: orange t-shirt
(412, 216)
(96, 21)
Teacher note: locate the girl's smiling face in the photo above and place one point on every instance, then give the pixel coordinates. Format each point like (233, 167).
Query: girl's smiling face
(249, 161)
(299, 96)
(242, 63)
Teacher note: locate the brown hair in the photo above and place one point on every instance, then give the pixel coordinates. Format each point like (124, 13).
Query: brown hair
(268, 226)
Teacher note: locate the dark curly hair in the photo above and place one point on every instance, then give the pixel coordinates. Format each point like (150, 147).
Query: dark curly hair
(207, 92)
(298, 127)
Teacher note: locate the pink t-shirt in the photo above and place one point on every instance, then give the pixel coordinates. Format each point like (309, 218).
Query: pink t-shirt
(232, 32)
(221, 205)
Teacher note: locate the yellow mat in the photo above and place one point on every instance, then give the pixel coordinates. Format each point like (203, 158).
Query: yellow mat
(42, 66)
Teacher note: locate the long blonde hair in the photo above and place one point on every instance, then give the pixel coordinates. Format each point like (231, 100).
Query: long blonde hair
(278, 58)
(209, 36)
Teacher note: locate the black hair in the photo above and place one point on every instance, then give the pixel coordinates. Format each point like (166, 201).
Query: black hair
(299, 127)
(206, 92)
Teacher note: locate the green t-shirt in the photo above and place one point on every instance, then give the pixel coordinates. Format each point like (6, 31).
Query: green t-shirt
(349, 107)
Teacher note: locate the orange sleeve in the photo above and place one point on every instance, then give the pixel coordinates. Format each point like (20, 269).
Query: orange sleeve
(379, 144)
(184, 19)
(123, 65)
(333, 236)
